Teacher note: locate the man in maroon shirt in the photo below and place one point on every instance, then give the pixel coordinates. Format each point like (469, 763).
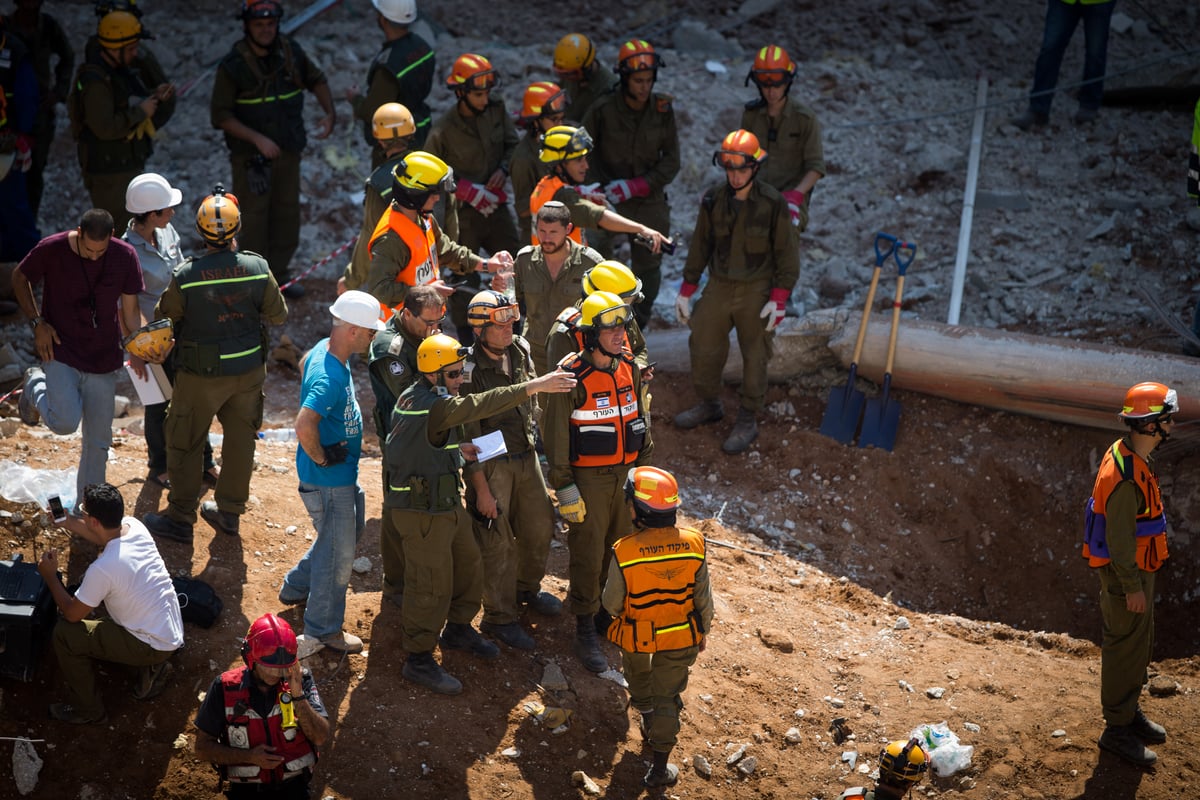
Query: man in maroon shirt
(90, 284)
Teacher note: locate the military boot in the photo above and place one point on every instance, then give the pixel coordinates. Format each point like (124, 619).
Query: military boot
(702, 413)
(1147, 730)
(461, 636)
(1121, 741)
(663, 773)
(224, 521)
(587, 644)
(421, 669)
(745, 431)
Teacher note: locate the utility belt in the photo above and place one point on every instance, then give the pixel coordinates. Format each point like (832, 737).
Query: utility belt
(414, 493)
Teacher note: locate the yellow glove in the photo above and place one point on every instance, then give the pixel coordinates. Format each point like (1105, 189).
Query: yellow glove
(570, 504)
(150, 342)
(144, 128)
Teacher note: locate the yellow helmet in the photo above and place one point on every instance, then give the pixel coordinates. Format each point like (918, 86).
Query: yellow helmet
(218, 219)
(392, 121)
(119, 28)
(418, 175)
(439, 351)
(901, 764)
(614, 277)
(573, 54)
(563, 143)
(490, 307)
(603, 310)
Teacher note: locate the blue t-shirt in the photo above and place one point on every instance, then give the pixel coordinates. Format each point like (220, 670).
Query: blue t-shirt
(326, 388)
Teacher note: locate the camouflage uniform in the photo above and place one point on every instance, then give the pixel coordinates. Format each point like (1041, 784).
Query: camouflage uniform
(793, 145)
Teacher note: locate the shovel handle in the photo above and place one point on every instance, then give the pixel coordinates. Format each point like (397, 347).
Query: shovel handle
(881, 254)
(904, 253)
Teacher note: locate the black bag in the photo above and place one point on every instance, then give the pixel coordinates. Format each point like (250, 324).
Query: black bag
(198, 601)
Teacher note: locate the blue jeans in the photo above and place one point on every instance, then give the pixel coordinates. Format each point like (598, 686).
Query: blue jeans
(1061, 21)
(323, 574)
(70, 397)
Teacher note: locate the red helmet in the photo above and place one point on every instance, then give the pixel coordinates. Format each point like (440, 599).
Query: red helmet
(471, 72)
(270, 641)
(261, 9)
(772, 67)
(739, 149)
(637, 55)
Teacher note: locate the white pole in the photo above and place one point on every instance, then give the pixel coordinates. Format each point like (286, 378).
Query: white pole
(968, 212)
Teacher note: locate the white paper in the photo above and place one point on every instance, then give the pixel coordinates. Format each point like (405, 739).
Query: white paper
(490, 445)
(155, 388)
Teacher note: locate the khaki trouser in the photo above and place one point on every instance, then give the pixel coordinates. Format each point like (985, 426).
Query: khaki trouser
(591, 541)
(515, 547)
(391, 549)
(107, 191)
(1125, 647)
(442, 574)
(656, 683)
(235, 400)
(78, 644)
(270, 221)
(724, 306)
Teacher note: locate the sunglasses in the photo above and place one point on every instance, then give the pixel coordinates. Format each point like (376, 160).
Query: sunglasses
(433, 322)
(452, 374)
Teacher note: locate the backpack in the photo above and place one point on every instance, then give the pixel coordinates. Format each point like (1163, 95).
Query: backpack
(198, 602)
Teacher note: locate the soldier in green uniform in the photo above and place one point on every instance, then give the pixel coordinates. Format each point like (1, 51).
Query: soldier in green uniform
(745, 239)
(476, 137)
(579, 74)
(393, 368)
(566, 337)
(424, 454)
(258, 101)
(636, 156)
(114, 135)
(541, 109)
(402, 72)
(219, 305)
(787, 129)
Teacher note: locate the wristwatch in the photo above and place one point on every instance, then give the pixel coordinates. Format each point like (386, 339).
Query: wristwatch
(33, 323)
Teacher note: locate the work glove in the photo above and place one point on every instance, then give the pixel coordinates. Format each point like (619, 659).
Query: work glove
(142, 130)
(24, 158)
(570, 504)
(258, 174)
(477, 197)
(335, 453)
(683, 303)
(795, 200)
(626, 189)
(773, 312)
(592, 191)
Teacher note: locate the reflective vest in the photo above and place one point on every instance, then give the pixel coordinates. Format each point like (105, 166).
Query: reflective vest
(607, 429)
(659, 566)
(1121, 464)
(270, 95)
(421, 477)
(245, 730)
(221, 333)
(543, 193)
(421, 240)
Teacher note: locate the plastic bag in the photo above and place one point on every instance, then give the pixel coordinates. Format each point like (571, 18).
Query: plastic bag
(945, 753)
(22, 484)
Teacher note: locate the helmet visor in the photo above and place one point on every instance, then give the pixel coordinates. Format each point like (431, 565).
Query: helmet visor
(498, 316)
(611, 317)
(767, 78)
(730, 160)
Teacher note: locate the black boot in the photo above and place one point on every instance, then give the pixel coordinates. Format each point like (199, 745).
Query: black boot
(663, 773)
(461, 636)
(587, 644)
(421, 669)
(1121, 741)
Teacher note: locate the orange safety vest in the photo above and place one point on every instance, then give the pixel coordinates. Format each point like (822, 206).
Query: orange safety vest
(543, 193)
(607, 429)
(1121, 464)
(659, 566)
(421, 241)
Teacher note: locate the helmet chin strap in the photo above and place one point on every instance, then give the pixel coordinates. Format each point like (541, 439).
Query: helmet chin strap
(493, 352)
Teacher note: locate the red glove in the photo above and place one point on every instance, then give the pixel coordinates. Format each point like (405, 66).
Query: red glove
(626, 189)
(775, 309)
(593, 192)
(477, 197)
(24, 160)
(795, 200)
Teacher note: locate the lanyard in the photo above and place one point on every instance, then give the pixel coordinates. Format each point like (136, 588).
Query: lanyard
(91, 287)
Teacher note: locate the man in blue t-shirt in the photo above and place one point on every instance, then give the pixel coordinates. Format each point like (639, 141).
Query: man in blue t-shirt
(329, 429)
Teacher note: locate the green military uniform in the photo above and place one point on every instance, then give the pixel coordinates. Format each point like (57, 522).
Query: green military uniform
(749, 248)
(105, 123)
(267, 95)
(601, 488)
(442, 572)
(636, 144)
(793, 145)
(515, 546)
(219, 305)
(377, 196)
(393, 368)
(525, 170)
(389, 255)
(583, 93)
(402, 72)
(542, 295)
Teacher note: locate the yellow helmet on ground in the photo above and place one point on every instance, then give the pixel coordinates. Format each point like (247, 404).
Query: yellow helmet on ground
(563, 143)
(901, 764)
(439, 351)
(392, 121)
(614, 277)
(218, 219)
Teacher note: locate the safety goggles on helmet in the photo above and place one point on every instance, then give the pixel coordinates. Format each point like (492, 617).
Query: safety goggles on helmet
(498, 316)
(611, 317)
(768, 78)
(564, 143)
(727, 160)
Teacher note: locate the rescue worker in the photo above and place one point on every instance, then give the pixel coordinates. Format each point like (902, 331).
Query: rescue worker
(402, 72)
(258, 101)
(592, 436)
(579, 74)
(1125, 543)
(46, 40)
(565, 336)
(513, 518)
(541, 109)
(548, 276)
(1193, 190)
(393, 368)
(408, 248)
(659, 595)
(636, 157)
(745, 239)
(901, 765)
(393, 128)
(261, 725)
(789, 131)
(18, 116)
(219, 305)
(114, 136)
(424, 454)
(477, 138)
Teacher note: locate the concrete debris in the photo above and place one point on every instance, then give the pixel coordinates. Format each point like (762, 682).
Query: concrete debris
(792, 736)
(701, 765)
(901, 624)
(736, 755)
(1058, 734)
(511, 752)
(1104, 227)
(1162, 686)
(747, 766)
(580, 778)
(615, 676)
(1120, 23)
(26, 766)
(553, 679)
(935, 692)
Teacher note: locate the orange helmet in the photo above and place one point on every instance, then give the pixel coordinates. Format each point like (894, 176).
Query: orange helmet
(270, 641)
(543, 99)
(261, 9)
(739, 149)
(471, 72)
(1149, 401)
(573, 54)
(772, 67)
(652, 490)
(637, 55)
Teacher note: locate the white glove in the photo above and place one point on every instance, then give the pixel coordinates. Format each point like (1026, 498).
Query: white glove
(477, 197)
(626, 189)
(683, 308)
(773, 312)
(593, 192)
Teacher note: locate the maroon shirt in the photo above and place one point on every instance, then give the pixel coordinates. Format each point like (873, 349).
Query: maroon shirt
(70, 282)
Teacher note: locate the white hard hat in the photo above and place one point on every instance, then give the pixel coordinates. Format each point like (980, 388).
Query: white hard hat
(150, 192)
(358, 308)
(401, 12)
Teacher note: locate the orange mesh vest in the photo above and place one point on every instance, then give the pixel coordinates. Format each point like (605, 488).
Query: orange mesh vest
(1122, 464)
(421, 241)
(544, 192)
(659, 566)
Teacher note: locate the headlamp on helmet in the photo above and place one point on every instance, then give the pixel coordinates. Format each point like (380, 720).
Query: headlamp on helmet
(261, 9)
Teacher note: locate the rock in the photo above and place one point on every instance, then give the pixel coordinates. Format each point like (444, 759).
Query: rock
(511, 752)
(972, 727)
(901, 624)
(701, 765)
(1120, 23)
(1058, 734)
(792, 736)
(776, 640)
(1193, 218)
(26, 766)
(553, 679)
(1104, 227)
(747, 765)
(580, 778)
(700, 40)
(937, 156)
(1162, 686)
(361, 565)
(736, 755)
(935, 692)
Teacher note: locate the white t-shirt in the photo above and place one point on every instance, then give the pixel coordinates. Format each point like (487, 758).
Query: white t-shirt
(132, 581)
